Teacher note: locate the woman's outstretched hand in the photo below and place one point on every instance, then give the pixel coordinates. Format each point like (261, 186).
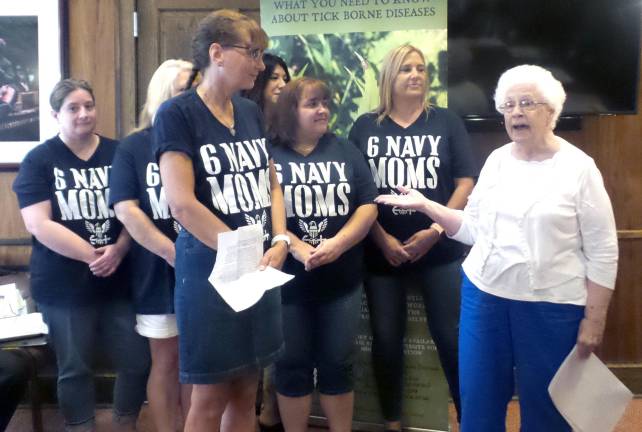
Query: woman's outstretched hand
(407, 199)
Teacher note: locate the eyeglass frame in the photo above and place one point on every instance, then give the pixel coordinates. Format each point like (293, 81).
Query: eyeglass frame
(253, 53)
(524, 104)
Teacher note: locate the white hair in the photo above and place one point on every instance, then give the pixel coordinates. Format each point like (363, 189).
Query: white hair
(550, 88)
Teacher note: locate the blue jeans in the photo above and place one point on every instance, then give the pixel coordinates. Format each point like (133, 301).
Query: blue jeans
(502, 341)
(320, 335)
(439, 286)
(75, 332)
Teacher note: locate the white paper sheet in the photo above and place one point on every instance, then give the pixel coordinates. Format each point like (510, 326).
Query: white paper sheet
(236, 276)
(22, 326)
(11, 302)
(588, 395)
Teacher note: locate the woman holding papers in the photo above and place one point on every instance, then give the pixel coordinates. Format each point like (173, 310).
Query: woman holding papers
(408, 141)
(329, 196)
(218, 176)
(138, 198)
(78, 275)
(541, 272)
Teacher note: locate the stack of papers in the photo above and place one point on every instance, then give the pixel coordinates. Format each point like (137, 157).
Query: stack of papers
(236, 275)
(22, 326)
(588, 395)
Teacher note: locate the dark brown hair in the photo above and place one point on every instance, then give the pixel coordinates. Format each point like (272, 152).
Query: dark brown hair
(224, 27)
(285, 121)
(63, 88)
(257, 93)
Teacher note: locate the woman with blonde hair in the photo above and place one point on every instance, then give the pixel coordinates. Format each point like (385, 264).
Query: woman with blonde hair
(218, 176)
(408, 142)
(139, 201)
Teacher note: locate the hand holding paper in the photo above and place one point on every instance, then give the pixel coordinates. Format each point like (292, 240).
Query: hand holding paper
(236, 276)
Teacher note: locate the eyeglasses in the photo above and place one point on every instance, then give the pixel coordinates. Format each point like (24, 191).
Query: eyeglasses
(253, 53)
(524, 105)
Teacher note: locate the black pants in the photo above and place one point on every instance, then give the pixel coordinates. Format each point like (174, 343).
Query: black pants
(14, 376)
(440, 287)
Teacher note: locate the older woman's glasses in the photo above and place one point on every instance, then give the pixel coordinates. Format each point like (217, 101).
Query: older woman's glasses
(524, 105)
(253, 53)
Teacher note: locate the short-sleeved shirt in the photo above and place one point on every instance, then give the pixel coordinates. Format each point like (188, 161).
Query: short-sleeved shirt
(135, 176)
(322, 191)
(231, 170)
(428, 156)
(78, 191)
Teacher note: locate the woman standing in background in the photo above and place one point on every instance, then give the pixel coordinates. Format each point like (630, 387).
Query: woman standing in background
(407, 141)
(265, 93)
(139, 200)
(78, 276)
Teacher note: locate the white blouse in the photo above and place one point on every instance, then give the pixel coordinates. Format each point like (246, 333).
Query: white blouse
(539, 229)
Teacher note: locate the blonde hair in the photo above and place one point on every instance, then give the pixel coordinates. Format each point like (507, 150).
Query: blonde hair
(161, 87)
(390, 67)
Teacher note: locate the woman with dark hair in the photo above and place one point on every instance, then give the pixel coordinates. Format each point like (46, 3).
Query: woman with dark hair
(216, 169)
(139, 201)
(77, 278)
(269, 83)
(329, 196)
(408, 141)
(265, 93)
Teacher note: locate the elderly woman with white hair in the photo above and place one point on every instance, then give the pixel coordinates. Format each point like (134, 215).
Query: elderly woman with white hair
(539, 277)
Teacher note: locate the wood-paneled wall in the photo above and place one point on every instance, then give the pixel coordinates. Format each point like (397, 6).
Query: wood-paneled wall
(615, 142)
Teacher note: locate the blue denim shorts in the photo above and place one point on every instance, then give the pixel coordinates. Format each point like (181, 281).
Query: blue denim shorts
(216, 343)
(321, 336)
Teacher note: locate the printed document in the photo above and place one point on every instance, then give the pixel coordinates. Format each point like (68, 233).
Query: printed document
(236, 276)
(22, 326)
(587, 394)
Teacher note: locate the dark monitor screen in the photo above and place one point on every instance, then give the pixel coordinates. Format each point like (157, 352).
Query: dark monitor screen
(591, 46)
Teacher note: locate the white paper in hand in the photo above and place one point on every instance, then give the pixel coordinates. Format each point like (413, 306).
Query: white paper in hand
(587, 394)
(236, 276)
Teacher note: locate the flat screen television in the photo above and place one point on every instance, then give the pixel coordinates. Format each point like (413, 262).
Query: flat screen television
(591, 46)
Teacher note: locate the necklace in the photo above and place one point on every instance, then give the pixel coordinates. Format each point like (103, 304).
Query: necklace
(220, 114)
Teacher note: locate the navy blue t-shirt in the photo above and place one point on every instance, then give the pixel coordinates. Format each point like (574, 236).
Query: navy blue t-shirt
(231, 172)
(428, 156)
(135, 176)
(322, 190)
(79, 194)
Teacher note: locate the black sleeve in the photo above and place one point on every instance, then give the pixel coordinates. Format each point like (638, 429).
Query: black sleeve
(123, 181)
(33, 182)
(463, 159)
(366, 190)
(171, 131)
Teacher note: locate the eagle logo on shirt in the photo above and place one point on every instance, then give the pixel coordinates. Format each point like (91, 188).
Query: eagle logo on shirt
(177, 227)
(98, 232)
(313, 231)
(259, 220)
(400, 211)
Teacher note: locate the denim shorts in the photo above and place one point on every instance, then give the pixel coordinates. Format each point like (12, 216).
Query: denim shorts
(216, 343)
(319, 335)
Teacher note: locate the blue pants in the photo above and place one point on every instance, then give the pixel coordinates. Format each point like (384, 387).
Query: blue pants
(76, 332)
(320, 335)
(504, 341)
(439, 286)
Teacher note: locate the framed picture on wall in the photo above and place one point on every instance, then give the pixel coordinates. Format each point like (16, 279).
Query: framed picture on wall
(31, 63)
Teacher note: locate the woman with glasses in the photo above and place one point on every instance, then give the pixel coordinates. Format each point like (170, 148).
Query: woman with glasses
(218, 176)
(138, 198)
(539, 277)
(406, 141)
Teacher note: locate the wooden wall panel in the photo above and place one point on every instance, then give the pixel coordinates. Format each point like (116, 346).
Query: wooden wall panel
(11, 225)
(93, 55)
